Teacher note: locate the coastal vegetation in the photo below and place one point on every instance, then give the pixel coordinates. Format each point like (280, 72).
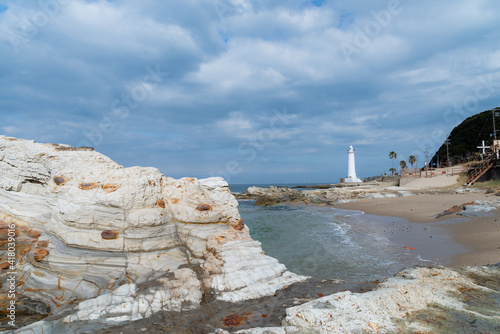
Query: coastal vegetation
(412, 160)
(402, 164)
(493, 185)
(393, 156)
(467, 136)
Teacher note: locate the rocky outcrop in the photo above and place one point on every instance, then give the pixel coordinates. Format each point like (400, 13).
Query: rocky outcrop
(97, 241)
(272, 195)
(338, 195)
(416, 300)
(283, 195)
(349, 194)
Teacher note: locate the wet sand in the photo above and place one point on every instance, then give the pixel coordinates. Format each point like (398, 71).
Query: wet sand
(480, 235)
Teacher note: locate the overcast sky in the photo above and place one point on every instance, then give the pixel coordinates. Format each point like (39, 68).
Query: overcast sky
(258, 91)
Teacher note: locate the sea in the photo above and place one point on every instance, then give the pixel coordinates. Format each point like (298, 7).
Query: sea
(348, 245)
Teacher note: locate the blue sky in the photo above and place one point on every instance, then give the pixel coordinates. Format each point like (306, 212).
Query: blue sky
(256, 91)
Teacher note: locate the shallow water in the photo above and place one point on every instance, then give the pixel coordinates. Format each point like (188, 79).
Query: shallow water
(325, 242)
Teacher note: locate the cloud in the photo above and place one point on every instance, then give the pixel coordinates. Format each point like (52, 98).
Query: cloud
(235, 122)
(231, 64)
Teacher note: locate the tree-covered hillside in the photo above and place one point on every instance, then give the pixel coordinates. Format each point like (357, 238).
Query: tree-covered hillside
(469, 134)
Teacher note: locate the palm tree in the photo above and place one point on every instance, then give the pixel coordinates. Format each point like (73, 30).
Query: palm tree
(393, 155)
(392, 170)
(412, 159)
(402, 164)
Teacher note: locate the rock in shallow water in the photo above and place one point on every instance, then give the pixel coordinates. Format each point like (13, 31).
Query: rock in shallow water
(124, 243)
(416, 300)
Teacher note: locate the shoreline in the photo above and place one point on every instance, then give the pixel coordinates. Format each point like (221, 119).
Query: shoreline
(479, 235)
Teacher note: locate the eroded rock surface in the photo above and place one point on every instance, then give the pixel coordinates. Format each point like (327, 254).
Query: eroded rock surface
(272, 195)
(102, 242)
(416, 300)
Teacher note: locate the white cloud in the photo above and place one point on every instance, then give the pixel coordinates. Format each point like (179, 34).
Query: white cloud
(235, 123)
(494, 61)
(362, 119)
(228, 72)
(424, 75)
(11, 130)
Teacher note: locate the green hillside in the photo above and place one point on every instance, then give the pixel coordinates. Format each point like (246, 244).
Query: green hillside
(469, 134)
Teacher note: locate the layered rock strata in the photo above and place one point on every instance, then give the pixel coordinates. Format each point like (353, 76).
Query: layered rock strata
(416, 300)
(118, 244)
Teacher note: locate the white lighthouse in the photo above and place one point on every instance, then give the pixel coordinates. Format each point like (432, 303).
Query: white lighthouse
(351, 167)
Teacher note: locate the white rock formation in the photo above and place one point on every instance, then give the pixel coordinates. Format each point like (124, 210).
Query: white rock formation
(416, 300)
(126, 303)
(392, 307)
(265, 330)
(94, 229)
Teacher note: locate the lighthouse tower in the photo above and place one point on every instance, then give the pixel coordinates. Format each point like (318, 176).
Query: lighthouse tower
(351, 167)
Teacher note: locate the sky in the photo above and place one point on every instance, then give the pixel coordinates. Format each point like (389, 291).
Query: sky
(255, 91)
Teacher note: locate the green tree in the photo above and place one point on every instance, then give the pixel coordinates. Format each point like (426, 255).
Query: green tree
(412, 159)
(402, 164)
(393, 155)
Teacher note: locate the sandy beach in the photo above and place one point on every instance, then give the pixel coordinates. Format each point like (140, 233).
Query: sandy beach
(480, 235)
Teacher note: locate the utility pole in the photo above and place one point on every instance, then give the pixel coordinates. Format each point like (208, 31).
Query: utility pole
(426, 159)
(447, 142)
(493, 114)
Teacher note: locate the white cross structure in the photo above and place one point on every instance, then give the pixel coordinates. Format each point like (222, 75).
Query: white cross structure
(483, 147)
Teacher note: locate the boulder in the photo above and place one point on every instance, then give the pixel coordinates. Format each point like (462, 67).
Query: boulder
(101, 242)
(272, 195)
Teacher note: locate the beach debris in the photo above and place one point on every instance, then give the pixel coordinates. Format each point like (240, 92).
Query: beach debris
(235, 320)
(459, 208)
(455, 209)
